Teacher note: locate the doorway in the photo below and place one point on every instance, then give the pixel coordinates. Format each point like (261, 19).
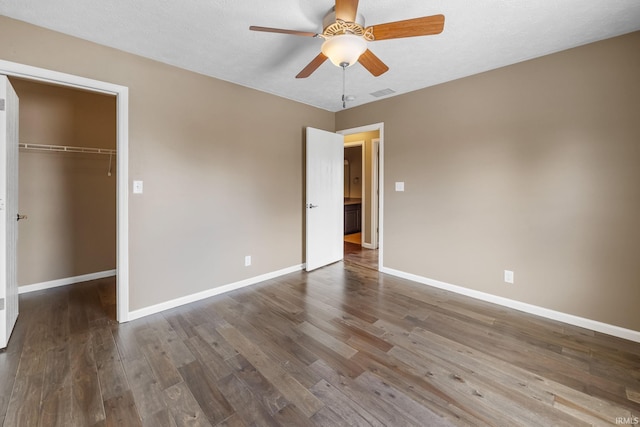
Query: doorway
(121, 93)
(67, 187)
(354, 188)
(364, 190)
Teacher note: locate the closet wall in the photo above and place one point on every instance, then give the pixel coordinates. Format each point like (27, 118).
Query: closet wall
(69, 198)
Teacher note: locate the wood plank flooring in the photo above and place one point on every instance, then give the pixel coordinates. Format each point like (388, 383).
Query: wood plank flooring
(355, 238)
(341, 346)
(358, 255)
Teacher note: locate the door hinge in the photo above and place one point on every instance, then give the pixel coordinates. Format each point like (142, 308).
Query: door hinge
(1, 104)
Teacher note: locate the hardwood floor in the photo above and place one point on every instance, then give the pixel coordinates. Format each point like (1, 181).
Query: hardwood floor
(358, 255)
(342, 345)
(353, 238)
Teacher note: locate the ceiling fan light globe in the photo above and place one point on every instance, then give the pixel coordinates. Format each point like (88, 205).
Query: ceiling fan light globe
(344, 49)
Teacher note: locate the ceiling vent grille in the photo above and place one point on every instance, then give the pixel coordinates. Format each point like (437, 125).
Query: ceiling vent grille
(383, 92)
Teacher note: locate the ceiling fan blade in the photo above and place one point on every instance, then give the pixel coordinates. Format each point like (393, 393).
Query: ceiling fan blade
(425, 26)
(373, 63)
(312, 66)
(281, 31)
(346, 10)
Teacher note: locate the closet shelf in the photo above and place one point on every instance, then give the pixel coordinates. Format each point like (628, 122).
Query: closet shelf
(66, 149)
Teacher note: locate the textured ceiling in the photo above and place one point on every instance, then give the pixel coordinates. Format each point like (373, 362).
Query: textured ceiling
(212, 37)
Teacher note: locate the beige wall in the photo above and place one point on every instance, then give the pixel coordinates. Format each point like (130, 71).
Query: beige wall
(69, 199)
(367, 137)
(535, 168)
(222, 166)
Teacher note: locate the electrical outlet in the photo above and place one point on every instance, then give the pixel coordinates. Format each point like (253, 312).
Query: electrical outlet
(247, 261)
(508, 276)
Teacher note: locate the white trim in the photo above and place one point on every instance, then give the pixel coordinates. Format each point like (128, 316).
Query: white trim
(66, 281)
(122, 191)
(570, 319)
(122, 174)
(375, 185)
(157, 308)
(54, 77)
(369, 128)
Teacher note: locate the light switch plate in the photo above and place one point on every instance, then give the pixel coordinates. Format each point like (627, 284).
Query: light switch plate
(399, 186)
(137, 187)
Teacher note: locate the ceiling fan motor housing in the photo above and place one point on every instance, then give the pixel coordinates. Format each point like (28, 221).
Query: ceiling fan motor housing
(330, 19)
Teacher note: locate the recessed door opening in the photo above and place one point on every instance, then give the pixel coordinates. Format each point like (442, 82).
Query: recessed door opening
(354, 184)
(67, 186)
(362, 198)
(118, 164)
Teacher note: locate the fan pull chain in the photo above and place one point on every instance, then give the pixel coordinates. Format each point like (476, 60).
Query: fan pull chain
(344, 96)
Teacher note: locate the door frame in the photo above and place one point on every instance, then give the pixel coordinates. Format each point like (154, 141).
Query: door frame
(370, 128)
(360, 144)
(121, 93)
(375, 192)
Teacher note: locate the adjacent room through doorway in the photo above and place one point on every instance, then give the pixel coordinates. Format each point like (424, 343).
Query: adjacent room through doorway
(361, 193)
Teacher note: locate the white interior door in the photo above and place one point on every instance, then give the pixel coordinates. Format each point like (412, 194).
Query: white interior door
(324, 200)
(8, 209)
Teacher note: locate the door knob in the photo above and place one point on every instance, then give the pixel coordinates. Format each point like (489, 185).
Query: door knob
(311, 206)
(19, 217)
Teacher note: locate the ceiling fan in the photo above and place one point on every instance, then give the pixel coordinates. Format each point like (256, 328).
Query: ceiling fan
(346, 37)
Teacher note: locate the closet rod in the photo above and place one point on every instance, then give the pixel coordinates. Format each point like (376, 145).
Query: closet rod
(66, 149)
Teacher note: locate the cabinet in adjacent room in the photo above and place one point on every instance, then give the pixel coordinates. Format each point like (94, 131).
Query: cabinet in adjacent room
(352, 215)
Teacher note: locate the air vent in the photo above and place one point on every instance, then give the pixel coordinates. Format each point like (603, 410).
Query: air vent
(383, 92)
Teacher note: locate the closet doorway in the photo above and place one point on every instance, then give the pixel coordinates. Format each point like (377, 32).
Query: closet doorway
(67, 188)
(121, 93)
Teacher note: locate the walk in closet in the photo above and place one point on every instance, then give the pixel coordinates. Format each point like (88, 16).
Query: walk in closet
(67, 183)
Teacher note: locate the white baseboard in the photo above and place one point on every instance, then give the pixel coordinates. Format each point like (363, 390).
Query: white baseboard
(582, 322)
(368, 245)
(153, 309)
(66, 281)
